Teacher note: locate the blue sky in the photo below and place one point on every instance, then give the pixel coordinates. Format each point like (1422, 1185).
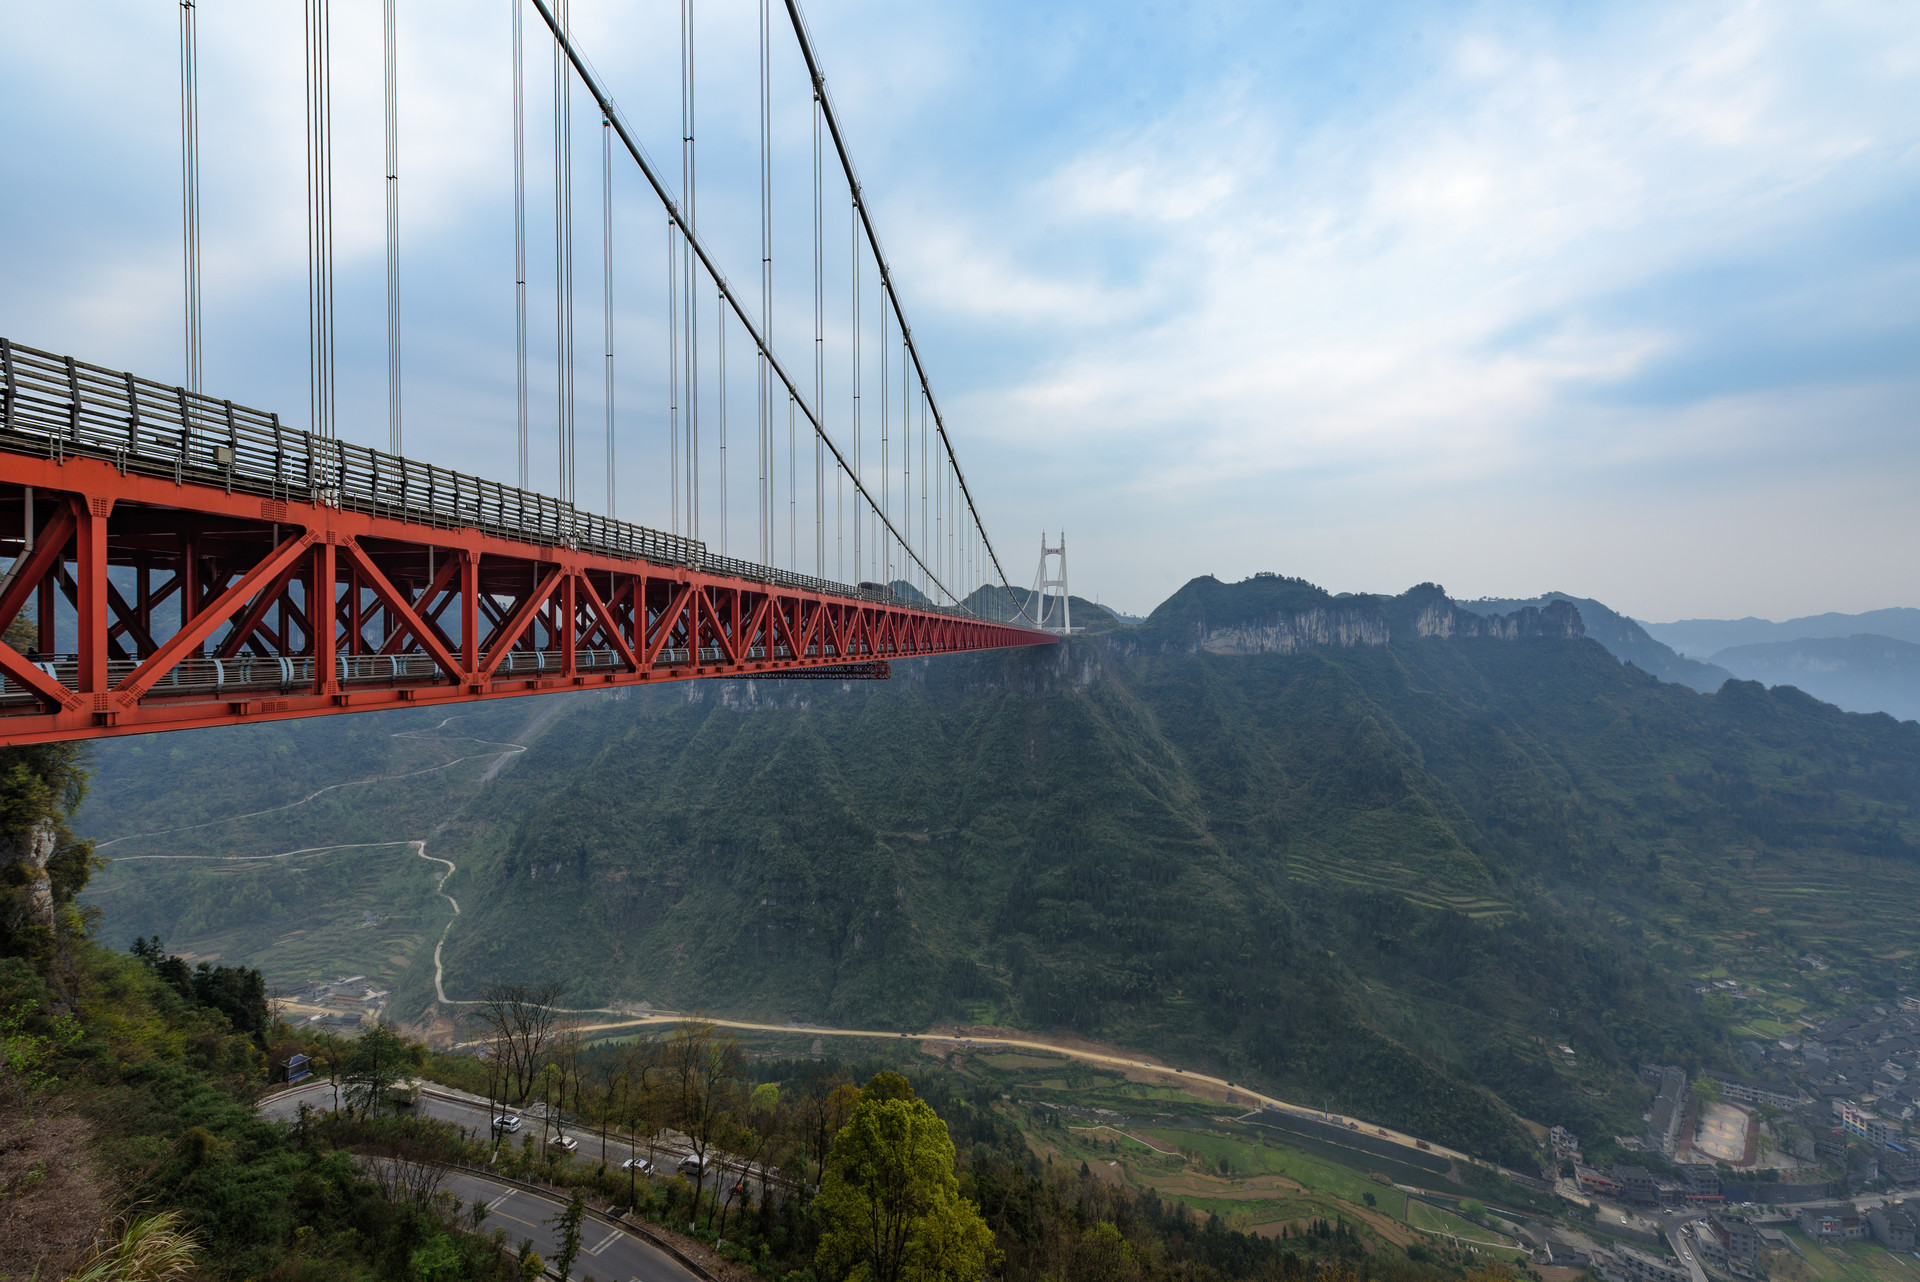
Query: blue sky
(1621, 300)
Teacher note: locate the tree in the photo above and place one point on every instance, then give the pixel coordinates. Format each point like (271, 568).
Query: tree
(568, 1223)
(647, 1102)
(889, 1203)
(519, 1022)
(827, 1100)
(703, 1066)
(376, 1062)
(326, 1051)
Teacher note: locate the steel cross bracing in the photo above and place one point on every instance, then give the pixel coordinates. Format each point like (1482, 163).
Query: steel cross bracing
(182, 554)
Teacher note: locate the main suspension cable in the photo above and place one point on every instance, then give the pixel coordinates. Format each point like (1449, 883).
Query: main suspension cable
(706, 263)
(824, 102)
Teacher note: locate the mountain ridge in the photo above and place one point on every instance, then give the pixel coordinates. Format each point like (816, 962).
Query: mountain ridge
(1365, 873)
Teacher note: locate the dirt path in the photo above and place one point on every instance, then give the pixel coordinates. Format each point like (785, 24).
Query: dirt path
(509, 750)
(1234, 1093)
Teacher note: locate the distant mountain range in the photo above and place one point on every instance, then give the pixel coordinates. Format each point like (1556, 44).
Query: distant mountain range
(1704, 638)
(1861, 662)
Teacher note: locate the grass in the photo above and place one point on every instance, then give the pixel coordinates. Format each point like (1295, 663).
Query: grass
(1843, 1262)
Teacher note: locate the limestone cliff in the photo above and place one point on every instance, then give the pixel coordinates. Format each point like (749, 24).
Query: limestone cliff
(1272, 615)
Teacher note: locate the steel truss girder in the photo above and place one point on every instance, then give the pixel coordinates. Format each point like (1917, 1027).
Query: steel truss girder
(241, 608)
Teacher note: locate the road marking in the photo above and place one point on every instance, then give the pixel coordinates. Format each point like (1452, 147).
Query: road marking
(494, 1205)
(605, 1242)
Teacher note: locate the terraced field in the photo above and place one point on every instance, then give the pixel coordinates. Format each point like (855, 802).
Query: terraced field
(1460, 890)
(369, 910)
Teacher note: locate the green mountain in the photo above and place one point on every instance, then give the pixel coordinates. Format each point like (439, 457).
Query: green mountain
(1384, 852)
(1625, 640)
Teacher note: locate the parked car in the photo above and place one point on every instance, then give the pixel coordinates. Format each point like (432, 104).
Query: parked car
(564, 1142)
(506, 1122)
(640, 1164)
(691, 1165)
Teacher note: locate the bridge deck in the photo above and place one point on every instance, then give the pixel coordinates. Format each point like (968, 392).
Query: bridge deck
(175, 547)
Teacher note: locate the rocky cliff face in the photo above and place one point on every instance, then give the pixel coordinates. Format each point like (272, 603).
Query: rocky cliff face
(1292, 631)
(1348, 621)
(1559, 621)
(23, 872)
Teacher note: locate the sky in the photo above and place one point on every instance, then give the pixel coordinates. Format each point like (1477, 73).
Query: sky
(1620, 300)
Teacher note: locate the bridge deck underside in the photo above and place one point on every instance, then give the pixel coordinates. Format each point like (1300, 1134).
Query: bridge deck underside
(147, 603)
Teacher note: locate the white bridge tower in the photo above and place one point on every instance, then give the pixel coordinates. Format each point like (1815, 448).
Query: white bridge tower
(1044, 616)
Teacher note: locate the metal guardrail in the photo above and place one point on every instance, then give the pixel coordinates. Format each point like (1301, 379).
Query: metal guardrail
(257, 674)
(60, 407)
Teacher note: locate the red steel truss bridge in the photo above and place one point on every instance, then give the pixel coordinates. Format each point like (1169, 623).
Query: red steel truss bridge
(181, 554)
(178, 560)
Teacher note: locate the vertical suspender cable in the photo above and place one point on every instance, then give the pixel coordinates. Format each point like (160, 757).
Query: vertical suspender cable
(882, 544)
(820, 376)
(563, 251)
(720, 374)
(390, 47)
(520, 235)
(606, 281)
(673, 368)
(320, 217)
(189, 186)
(688, 273)
(859, 566)
(907, 427)
(766, 283)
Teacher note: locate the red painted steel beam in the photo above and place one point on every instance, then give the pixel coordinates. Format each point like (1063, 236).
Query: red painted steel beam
(226, 578)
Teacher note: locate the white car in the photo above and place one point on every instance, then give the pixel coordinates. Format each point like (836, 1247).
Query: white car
(640, 1164)
(506, 1122)
(691, 1165)
(565, 1143)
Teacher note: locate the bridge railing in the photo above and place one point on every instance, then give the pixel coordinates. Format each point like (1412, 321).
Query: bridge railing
(58, 406)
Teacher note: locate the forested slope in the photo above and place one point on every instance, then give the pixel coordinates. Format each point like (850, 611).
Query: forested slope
(1383, 852)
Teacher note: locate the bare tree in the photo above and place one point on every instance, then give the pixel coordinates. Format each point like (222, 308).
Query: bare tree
(567, 1044)
(609, 1072)
(827, 1100)
(493, 1053)
(647, 1101)
(703, 1067)
(520, 1022)
(409, 1162)
(330, 1055)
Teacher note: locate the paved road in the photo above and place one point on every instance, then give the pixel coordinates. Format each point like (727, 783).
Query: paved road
(1683, 1246)
(285, 1107)
(605, 1253)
